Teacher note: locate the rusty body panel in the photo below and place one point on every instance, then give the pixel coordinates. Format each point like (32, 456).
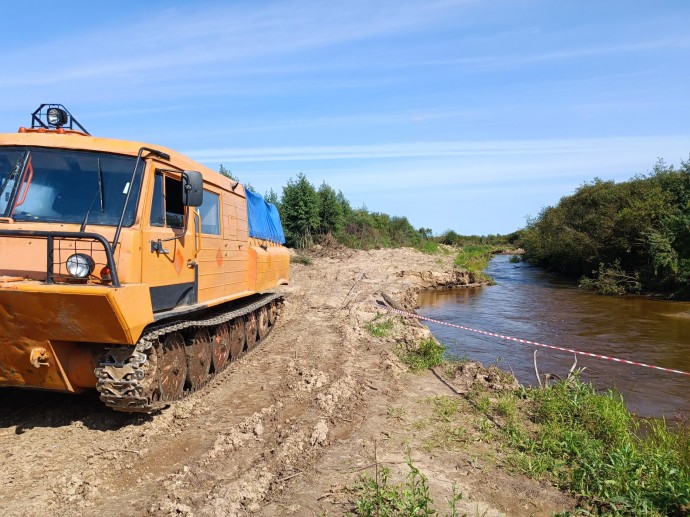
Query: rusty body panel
(55, 328)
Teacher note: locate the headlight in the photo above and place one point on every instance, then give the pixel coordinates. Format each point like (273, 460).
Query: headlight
(56, 117)
(80, 265)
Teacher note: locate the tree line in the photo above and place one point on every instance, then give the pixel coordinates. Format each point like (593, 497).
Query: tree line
(312, 215)
(622, 237)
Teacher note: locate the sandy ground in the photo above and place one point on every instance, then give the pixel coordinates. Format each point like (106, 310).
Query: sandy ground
(286, 430)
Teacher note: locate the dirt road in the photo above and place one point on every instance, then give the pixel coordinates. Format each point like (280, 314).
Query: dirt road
(284, 431)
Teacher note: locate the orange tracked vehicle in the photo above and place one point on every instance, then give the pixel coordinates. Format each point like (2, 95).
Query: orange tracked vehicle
(127, 267)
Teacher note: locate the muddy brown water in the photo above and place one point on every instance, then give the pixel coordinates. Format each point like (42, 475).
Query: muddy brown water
(531, 304)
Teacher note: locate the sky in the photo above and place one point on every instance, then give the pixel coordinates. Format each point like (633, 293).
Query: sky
(458, 114)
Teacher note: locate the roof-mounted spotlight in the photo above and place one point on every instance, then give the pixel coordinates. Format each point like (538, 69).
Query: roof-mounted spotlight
(57, 117)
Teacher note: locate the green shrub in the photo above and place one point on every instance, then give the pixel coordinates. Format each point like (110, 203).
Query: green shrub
(379, 328)
(428, 354)
(612, 281)
(640, 227)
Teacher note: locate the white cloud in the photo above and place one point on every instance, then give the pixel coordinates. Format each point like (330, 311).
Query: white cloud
(515, 60)
(437, 149)
(183, 38)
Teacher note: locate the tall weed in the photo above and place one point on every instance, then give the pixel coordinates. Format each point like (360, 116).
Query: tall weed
(377, 496)
(591, 444)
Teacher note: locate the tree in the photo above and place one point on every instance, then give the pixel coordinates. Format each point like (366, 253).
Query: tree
(330, 210)
(300, 211)
(426, 233)
(228, 174)
(345, 207)
(272, 197)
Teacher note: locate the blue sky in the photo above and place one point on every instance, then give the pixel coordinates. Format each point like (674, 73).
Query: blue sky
(468, 115)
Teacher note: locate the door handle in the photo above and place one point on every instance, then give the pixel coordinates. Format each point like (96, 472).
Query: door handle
(157, 246)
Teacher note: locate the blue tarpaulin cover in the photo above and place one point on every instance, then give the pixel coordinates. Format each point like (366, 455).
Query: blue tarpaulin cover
(264, 221)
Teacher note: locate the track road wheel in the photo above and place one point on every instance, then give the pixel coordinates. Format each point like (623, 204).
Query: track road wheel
(220, 347)
(251, 325)
(272, 313)
(238, 337)
(172, 367)
(262, 324)
(198, 354)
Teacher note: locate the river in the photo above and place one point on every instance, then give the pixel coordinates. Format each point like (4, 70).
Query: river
(531, 304)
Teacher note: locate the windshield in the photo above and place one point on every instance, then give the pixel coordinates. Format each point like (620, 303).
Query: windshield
(57, 185)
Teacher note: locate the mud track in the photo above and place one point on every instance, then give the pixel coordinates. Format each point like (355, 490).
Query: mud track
(283, 431)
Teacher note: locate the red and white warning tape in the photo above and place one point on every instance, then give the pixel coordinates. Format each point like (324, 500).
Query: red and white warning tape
(534, 343)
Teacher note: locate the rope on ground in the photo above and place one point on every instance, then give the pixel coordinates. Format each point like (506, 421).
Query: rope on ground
(533, 343)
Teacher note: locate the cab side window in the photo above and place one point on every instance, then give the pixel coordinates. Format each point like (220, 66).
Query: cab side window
(166, 207)
(210, 213)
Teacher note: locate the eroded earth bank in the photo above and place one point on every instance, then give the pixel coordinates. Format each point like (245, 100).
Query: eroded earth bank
(288, 429)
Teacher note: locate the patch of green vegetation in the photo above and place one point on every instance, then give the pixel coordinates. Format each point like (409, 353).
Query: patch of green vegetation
(379, 328)
(486, 428)
(418, 425)
(378, 496)
(301, 259)
(445, 407)
(448, 437)
(479, 398)
(515, 259)
(590, 444)
(396, 412)
(475, 260)
(428, 246)
(506, 406)
(428, 354)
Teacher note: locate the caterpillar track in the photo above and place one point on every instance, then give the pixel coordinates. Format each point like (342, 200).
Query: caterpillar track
(177, 358)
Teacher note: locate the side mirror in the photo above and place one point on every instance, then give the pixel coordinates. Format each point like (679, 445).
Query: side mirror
(192, 188)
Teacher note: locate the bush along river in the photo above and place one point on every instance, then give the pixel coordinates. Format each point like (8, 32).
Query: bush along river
(528, 303)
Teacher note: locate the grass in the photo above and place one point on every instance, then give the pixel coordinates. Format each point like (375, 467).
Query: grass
(445, 407)
(428, 354)
(475, 260)
(376, 495)
(590, 444)
(506, 406)
(428, 246)
(380, 328)
(448, 437)
(396, 412)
